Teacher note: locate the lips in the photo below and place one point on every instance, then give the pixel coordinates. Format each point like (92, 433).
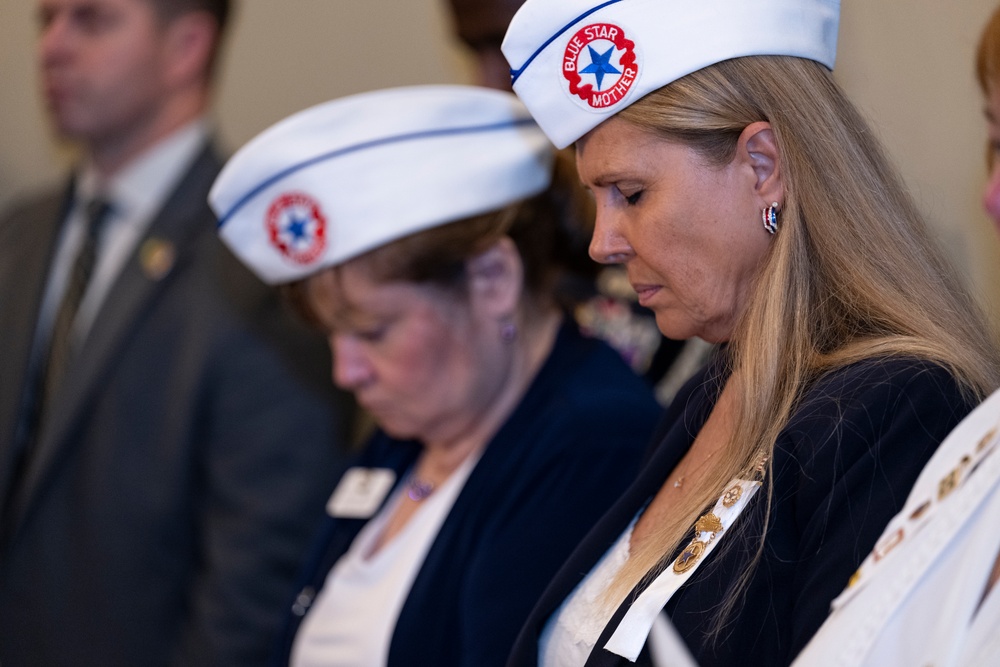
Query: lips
(57, 95)
(645, 292)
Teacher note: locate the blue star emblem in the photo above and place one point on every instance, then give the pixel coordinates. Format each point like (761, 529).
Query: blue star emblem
(297, 227)
(600, 64)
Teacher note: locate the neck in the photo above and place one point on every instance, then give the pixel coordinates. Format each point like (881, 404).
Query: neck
(532, 348)
(112, 152)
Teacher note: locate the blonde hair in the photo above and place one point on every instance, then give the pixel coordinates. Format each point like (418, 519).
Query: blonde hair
(851, 274)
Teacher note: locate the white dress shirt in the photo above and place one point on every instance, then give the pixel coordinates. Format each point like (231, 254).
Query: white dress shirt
(137, 193)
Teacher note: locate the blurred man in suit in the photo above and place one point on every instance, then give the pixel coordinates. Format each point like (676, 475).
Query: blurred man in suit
(168, 436)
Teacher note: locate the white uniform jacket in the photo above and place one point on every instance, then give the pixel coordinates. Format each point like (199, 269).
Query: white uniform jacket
(917, 600)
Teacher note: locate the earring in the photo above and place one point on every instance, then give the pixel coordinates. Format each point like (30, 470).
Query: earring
(508, 332)
(770, 217)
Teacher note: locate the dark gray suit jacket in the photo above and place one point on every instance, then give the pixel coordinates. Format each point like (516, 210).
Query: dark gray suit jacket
(182, 466)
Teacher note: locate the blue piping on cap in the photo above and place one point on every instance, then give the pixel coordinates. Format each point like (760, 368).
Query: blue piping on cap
(412, 136)
(516, 73)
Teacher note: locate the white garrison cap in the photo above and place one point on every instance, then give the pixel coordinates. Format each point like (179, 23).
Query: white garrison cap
(577, 62)
(347, 176)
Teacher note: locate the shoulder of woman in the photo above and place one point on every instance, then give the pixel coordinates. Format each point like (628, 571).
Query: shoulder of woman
(874, 410)
(888, 382)
(587, 380)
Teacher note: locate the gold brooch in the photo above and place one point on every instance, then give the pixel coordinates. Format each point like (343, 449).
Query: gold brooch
(732, 496)
(686, 560)
(985, 440)
(888, 544)
(920, 511)
(708, 523)
(948, 484)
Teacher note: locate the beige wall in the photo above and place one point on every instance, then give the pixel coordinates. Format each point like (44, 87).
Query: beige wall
(908, 65)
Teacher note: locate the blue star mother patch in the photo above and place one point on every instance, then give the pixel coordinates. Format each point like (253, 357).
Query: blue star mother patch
(600, 65)
(296, 227)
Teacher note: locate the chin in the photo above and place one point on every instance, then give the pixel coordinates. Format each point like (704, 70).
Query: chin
(397, 430)
(673, 328)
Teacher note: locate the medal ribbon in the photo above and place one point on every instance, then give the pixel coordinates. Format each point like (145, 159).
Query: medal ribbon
(630, 636)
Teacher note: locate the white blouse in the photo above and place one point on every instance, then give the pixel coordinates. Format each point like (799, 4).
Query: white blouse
(572, 631)
(353, 618)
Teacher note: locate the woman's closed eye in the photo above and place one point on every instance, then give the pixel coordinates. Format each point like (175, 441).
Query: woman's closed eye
(631, 196)
(371, 334)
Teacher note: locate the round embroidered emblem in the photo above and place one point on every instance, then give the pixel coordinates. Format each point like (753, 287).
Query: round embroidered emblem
(600, 65)
(296, 227)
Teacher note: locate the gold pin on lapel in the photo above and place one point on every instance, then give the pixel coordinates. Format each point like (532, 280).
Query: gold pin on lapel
(157, 258)
(708, 523)
(890, 542)
(732, 496)
(920, 511)
(985, 440)
(687, 558)
(948, 483)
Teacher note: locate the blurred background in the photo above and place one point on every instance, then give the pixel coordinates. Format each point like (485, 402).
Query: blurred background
(907, 65)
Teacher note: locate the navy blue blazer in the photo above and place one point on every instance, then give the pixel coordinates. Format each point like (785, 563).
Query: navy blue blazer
(570, 448)
(841, 469)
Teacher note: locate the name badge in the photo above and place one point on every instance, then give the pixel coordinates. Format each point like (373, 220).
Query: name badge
(360, 493)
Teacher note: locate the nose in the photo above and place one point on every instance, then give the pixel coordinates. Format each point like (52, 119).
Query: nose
(54, 39)
(608, 245)
(351, 369)
(991, 197)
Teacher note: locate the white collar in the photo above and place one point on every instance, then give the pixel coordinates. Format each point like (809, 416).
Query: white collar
(141, 187)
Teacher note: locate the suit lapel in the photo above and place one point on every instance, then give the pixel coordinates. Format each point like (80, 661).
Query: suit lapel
(27, 243)
(136, 289)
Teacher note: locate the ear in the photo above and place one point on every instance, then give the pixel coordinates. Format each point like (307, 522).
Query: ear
(189, 41)
(759, 148)
(496, 278)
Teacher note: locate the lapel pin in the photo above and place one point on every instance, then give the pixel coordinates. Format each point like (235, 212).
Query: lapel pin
(732, 496)
(920, 511)
(157, 258)
(890, 542)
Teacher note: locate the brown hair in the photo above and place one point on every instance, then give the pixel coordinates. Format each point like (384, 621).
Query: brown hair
(988, 54)
(219, 10)
(988, 65)
(851, 274)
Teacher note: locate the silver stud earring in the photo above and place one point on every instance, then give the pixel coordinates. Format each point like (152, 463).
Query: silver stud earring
(770, 217)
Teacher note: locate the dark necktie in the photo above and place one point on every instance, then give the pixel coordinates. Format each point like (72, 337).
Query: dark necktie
(60, 347)
(52, 368)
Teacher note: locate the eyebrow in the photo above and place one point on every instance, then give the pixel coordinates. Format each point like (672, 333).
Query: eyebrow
(613, 177)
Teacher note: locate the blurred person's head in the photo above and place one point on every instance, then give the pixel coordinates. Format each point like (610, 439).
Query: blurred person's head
(407, 223)
(480, 25)
(988, 74)
(118, 75)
